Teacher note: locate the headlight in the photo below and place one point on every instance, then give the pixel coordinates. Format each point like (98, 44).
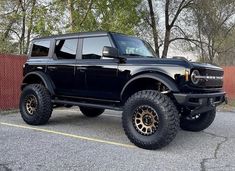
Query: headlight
(195, 77)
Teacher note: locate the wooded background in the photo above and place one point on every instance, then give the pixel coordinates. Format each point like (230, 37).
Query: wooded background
(206, 28)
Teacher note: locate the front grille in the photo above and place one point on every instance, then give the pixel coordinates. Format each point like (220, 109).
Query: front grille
(211, 72)
(211, 83)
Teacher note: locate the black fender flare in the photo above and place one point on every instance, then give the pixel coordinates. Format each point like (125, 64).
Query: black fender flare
(169, 82)
(45, 79)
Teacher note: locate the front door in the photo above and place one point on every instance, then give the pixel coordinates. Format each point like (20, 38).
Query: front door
(101, 74)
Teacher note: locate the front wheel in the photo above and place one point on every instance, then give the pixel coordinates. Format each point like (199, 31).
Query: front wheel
(150, 119)
(91, 112)
(198, 122)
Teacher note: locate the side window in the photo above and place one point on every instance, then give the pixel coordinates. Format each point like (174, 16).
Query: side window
(66, 48)
(40, 48)
(93, 46)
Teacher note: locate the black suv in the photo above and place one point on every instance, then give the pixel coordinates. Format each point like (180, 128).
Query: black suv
(104, 70)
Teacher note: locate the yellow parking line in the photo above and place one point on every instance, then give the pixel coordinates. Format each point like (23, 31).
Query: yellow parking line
(68, 135)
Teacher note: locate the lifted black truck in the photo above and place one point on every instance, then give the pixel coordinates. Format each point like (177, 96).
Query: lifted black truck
(104, 70)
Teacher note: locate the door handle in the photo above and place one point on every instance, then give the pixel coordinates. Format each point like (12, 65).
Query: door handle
(51, 67)
(39, 67)
(81, 68)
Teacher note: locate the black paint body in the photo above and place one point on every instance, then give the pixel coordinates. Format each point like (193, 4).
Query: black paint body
(102, 82)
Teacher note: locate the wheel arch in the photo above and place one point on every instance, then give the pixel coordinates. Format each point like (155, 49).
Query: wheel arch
(38, 77)
(150, 77)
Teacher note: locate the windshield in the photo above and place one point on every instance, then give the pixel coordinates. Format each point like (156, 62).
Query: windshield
(131, 46)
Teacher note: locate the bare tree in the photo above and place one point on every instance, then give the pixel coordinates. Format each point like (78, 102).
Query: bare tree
(172, 11)
(13, 12)
(215, 22)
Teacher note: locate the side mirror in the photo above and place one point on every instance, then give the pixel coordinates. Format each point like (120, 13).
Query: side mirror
(110, 52)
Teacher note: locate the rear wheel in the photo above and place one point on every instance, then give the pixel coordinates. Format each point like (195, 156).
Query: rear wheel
(150, 119)
(91, 112)
(35, 104)
(198, 122)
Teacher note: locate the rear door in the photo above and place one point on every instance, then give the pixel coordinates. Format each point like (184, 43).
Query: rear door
(62, 68)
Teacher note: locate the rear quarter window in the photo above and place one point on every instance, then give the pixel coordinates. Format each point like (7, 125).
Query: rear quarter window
(40, 48)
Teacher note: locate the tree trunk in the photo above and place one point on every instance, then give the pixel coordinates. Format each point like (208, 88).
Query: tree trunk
(201, 43)
(30, 25)
(212, 54)
(166, 42)
(154, 27)
(169, 25)
(22, 37)
(209, 50)
(71, 13)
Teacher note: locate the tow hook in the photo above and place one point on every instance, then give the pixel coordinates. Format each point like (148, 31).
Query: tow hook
(212, 102)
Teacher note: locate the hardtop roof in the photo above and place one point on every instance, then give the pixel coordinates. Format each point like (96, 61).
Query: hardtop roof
(78, 34)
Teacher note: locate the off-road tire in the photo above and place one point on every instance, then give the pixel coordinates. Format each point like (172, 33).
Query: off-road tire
(168, 119)
(43, 111)
(203, 121)
(91, 112)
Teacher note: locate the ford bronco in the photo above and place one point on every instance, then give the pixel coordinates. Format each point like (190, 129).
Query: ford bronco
(105, 70)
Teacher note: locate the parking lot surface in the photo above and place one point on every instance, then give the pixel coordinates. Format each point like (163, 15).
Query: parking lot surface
(71, 141)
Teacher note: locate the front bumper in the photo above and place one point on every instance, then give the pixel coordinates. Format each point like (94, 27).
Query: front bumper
(199, 103)
(194, 100)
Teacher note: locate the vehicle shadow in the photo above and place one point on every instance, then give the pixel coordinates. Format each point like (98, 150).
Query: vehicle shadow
(110, 127)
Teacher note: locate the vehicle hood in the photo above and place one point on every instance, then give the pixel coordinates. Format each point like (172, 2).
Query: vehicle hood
(171, 62)
(158, 61)
(205, 66)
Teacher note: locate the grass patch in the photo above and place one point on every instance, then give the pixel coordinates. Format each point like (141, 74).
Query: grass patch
(231, 102)
(230, 107)
(8, 111)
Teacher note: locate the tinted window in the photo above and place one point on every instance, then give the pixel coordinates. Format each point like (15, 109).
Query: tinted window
(40, 48)
(66, 49)
(93, 46)
(131, 46)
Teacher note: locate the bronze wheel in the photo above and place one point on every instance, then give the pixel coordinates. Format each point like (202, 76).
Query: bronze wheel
(145, 120)
(31, 104)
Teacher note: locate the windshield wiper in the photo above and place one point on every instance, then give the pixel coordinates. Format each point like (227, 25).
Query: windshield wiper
(151, 56)
(132, 54)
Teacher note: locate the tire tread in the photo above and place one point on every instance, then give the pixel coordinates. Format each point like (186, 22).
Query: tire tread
(169, 110)
(45, 109)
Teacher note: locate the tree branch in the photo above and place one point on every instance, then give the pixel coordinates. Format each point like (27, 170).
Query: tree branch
(188, 39)
(180, 8)
(88, 10)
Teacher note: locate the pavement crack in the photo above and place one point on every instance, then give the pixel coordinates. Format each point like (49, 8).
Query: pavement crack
(215, 155)
(4, 167)
(214, 135)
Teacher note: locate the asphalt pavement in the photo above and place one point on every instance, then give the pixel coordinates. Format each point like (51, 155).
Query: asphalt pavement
(71, 141)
